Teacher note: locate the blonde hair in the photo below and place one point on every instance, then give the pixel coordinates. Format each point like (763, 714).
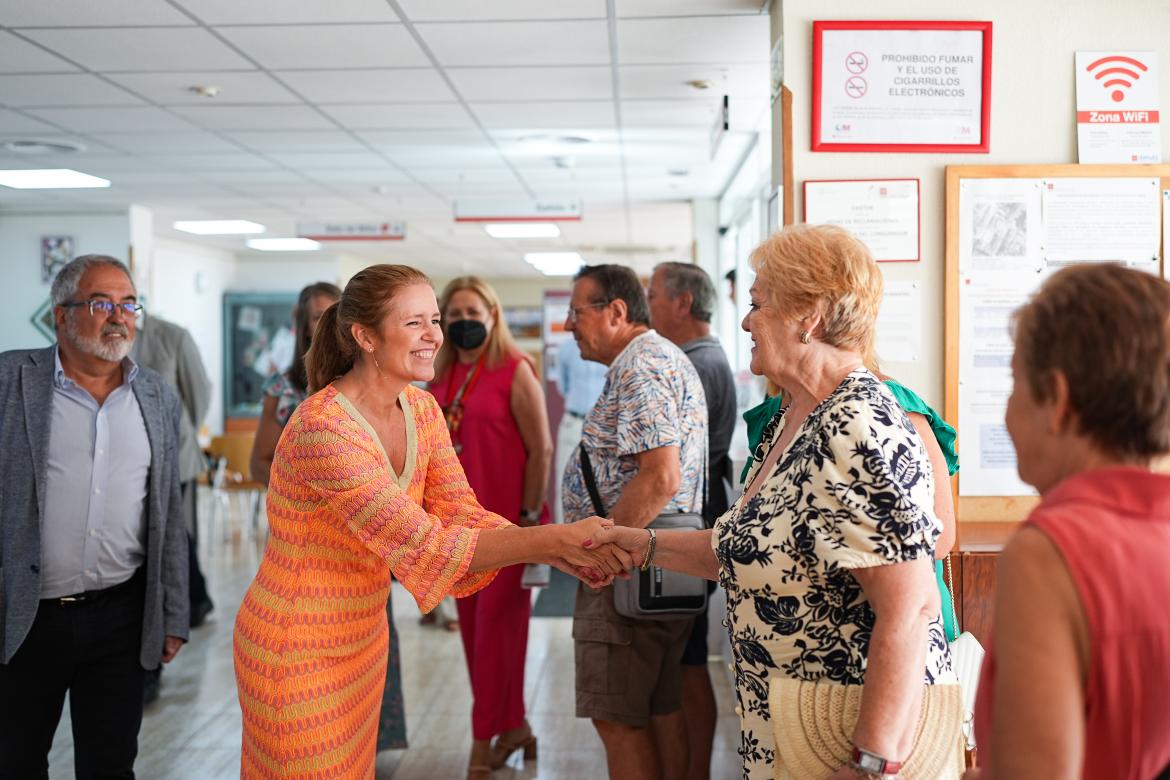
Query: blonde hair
(500, 344)
(824, 269)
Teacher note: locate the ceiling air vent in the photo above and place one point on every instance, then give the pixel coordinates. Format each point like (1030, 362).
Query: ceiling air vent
(34, 147)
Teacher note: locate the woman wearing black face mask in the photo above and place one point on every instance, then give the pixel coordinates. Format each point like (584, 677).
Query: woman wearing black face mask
(495, 412)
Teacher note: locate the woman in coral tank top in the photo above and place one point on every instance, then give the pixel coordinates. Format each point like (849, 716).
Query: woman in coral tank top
(1076, 682)
(495, 412)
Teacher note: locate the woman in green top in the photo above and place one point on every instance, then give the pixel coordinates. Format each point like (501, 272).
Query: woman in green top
(939, 439)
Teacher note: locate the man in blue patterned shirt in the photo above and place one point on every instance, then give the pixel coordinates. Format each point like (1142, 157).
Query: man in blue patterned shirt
(647, 442)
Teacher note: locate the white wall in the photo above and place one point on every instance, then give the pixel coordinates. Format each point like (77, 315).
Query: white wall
(284, 273)
(1033, 105)
(20, 263)
(189, 282)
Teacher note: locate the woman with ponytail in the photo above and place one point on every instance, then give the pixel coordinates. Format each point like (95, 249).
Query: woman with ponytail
(365, 482)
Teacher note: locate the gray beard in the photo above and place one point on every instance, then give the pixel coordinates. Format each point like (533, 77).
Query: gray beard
(114, 352)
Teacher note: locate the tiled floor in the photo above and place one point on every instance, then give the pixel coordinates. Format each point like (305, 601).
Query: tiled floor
(193, 730)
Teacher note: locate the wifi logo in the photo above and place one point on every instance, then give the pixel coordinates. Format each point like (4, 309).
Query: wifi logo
(1116, 71)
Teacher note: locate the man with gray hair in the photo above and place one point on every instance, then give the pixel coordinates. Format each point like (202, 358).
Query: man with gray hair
(682, 302)
(93, 548)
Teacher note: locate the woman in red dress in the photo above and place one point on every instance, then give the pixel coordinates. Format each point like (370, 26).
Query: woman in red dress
(494, 406)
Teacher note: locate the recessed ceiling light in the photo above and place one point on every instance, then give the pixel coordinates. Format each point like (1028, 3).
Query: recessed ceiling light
(555, 263)
(50, 179)
(218, 227)
(34, 146)
(523, 230)
(283, 244)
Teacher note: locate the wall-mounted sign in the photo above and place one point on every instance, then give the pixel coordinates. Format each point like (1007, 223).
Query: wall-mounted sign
(901, 87)
(352, 231)
(1117, 107)
(882, 213)
(504, 210)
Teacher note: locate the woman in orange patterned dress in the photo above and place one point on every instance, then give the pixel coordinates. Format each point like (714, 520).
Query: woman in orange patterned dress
(365, 482)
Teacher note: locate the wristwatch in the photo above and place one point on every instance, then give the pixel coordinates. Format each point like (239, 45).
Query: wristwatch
(529, 516)
(873, 765)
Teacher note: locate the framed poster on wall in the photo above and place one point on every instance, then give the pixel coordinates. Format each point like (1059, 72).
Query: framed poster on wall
(258, 341)
(882, 213)
(901, 86)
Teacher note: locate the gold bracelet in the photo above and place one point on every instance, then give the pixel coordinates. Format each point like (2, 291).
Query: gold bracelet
(649, 551)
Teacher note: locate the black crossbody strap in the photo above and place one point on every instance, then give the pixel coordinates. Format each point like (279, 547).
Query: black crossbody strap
(591, 483)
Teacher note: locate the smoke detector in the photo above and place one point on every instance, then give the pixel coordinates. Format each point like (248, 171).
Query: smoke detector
(34, 147)
(699, 84)
(207, 91)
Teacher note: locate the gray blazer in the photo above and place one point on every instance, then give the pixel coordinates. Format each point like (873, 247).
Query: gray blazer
(169, 349)
(26, 397)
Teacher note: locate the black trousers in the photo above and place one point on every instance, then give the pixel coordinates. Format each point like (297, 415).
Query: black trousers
(88, 649)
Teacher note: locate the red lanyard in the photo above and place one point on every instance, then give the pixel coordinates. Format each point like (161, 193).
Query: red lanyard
(453, 412)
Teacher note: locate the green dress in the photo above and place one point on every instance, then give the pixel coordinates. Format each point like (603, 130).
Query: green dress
(759, 416)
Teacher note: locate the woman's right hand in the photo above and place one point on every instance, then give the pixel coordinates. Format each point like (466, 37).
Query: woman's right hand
(632, 540)
(578, 548)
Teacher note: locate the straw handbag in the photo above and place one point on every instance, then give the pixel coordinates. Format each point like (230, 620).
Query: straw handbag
(813, 725)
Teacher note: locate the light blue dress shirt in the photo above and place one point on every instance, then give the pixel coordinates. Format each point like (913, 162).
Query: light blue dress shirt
(580, 381)
(94, 531)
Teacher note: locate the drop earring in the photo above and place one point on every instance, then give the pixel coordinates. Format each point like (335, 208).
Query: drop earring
(805, 337)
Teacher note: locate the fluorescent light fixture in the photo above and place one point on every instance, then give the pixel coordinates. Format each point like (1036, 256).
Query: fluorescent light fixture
(283, 244)
(218, 227)
(555, 263)
(50, 179)
(523, 230)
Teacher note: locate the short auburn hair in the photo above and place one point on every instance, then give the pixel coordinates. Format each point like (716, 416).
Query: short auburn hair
(823, 268)
(1107, 329)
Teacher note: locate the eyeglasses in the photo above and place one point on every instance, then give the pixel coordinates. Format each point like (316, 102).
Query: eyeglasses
(106, 308)
(575, 311)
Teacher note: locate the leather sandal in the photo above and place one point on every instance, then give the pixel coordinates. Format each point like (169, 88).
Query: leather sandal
(503, 749)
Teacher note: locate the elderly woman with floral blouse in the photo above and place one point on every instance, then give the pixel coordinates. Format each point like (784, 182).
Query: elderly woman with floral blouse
(827, 556)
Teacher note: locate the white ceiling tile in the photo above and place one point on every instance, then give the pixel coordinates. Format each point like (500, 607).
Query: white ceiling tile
(324, 161)
(583, 83)
(397, 139)
(89, 148)
(210, 162)
(383, 174)
(369, 86)
(328, 46)
(547, 114)
(518, 43)
(670, 81)
(194, 142)
(628, 8)
(289, 11)
(717, 39)
(476, 190)
(497, 175)
(470, 157)
(138, 49)
(70, 13)
(401, 116)
(477, 10)
(20, 56)
(230, 178)
(305, 141)
(255, 117)
(234, 87)
(669, 113)
(106, 167)
(112, 120)
(301, 189)
(80, 89)
(12, 122)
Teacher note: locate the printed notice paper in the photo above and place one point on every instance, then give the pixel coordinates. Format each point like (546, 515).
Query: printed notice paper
(1117, 107)
(899, 323)
(883, 214)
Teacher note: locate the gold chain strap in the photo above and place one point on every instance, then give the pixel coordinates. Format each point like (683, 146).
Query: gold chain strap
(951, 591)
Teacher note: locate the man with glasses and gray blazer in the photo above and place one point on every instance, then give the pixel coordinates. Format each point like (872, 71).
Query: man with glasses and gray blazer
(93, 548)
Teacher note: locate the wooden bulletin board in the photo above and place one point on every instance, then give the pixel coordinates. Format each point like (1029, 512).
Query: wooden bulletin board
(979, 510)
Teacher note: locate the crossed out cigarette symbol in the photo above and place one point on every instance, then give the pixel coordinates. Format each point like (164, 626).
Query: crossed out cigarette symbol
(855, 87)
(856, 62)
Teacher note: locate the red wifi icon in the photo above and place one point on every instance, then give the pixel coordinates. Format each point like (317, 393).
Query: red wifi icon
(1113, 69)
